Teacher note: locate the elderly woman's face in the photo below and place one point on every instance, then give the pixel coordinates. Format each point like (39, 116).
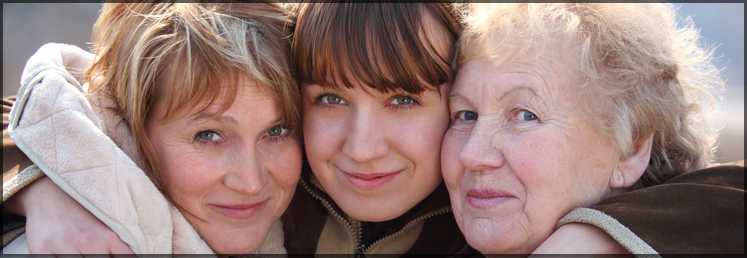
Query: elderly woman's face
(232, 174)
(521, 152)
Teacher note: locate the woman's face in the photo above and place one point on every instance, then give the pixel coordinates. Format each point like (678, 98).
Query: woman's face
(232, 174)
(376, 154)
(520, 152)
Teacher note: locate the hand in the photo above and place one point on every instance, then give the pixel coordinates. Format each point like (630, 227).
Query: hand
(57, 224)
(577, 238)
(76, 60)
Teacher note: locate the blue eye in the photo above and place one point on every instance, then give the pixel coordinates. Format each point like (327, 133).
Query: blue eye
(466, 115)
(402, 100)
(525, 115)
(330, 99)
(208, 136)
(277, 131)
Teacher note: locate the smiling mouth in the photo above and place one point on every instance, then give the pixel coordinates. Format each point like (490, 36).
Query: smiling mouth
(238, 211)
(486, 198)
(370, 180)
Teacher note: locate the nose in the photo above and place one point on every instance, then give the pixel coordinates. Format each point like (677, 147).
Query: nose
(365, 140)
(482, 151)
(246, 173)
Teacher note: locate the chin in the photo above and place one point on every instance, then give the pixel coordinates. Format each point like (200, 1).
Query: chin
(363, 212)
(243, 241)
(235, 246)
(493, 237)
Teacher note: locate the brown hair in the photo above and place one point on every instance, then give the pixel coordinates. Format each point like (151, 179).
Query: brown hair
(380, 45)
(199, 52)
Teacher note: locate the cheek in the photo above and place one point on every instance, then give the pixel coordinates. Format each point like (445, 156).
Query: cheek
(284, 163)
(420, 135)
(323, 133)
(187, 176)
(543, 162)
(539, 161)
(451, 168)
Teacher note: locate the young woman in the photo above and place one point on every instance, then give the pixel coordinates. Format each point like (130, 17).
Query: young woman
(374, 80)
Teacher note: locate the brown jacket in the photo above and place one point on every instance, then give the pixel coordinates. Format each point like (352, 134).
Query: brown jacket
(314, 224)
(700, 212)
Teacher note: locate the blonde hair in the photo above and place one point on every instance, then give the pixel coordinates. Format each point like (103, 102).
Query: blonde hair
(648, 75)
(198, 51)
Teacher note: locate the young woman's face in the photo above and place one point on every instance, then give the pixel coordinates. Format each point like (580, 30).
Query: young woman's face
(232, 174)
(376, 154)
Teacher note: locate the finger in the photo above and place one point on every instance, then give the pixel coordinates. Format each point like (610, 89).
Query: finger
(45, 247)
(64, 249)
(94, 249)
(119, 247)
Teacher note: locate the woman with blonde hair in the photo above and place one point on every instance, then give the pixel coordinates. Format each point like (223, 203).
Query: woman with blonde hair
(183, 139)
(557, 107)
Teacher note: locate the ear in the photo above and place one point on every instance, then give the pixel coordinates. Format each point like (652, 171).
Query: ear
(631, 168)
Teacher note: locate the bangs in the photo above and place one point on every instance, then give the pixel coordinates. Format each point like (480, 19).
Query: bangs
(381, 46)
(197, 83)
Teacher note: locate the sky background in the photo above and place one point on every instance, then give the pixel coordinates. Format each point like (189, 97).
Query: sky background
(27, 26)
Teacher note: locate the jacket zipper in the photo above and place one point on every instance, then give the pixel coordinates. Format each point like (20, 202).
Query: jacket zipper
(354, 228)
(410, 224)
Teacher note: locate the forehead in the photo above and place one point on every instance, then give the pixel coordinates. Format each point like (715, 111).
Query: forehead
(251, 101)
(240, 96)
(545, 77)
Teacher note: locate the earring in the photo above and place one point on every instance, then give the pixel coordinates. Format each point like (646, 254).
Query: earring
(617, 178)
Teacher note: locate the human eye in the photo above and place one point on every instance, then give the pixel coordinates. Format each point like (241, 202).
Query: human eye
(465, 116)
(402, 101)
(208, 136)
(329, 99)
(277, 132)
(523, 115)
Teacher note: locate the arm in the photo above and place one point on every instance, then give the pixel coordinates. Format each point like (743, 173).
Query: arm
(15, 163)
(577, 238)
(55, 222)
(697, 212)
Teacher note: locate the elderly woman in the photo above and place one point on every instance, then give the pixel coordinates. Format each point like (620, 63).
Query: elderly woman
(559, 106)
(166, 109)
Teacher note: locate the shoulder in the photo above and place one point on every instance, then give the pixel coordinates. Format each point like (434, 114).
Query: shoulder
(697, 212)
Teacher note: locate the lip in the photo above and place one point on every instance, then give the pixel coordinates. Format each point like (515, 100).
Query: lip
(238, 211)
(487, 198)
(370, 180)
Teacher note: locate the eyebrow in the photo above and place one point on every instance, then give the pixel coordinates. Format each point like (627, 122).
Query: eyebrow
(521, 87)
(202, 116)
